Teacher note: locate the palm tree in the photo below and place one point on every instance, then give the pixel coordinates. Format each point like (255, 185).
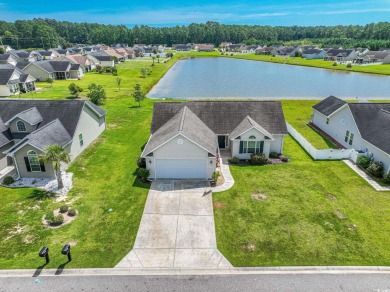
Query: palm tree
(56, 154)
(158, 58)
(153, 58)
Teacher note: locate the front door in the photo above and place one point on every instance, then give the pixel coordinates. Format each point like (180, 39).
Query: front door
(222, 142)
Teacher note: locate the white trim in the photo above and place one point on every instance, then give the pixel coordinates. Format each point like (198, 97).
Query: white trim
(91, 108)
(159, 146)
(17, 127)
(183, 159)
(254, 127)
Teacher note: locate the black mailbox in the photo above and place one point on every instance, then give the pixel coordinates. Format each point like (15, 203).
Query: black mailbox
(66, 251)
(44, 253)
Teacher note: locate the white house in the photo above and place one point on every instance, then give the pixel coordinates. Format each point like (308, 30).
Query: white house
(364, 126)
(186, 138)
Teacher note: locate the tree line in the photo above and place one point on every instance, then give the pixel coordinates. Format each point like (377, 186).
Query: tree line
(52, 33)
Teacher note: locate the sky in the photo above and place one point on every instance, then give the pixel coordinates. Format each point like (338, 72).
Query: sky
(183, 12)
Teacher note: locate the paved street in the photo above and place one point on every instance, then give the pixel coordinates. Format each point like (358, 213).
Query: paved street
(231, 283)
(177, 228)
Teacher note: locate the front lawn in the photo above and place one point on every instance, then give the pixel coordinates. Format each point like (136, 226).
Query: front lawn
(103, 180)
(315, 213)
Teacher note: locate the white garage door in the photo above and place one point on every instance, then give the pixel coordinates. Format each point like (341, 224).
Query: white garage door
(181, 168)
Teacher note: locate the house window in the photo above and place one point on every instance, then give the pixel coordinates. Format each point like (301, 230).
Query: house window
(81, 139)
(251, 147)
(346, 136)
(21, 126)
(351, 139)
(33, 161)
(252, 137)
(327, 120)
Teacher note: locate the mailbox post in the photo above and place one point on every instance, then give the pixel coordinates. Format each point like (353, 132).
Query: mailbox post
(44, 253)
(66, 251)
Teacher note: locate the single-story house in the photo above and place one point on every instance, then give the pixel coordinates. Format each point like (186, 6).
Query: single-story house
(13, 80)
(114, 54)
(101, 59)
(42, 70)
(80, 59)
(182, 48)
(8, 59)
(187, 137)
(313, 54)
(28, 127)
(340, 55)
(363, 126)
(58, 53)
(374, 57)
(264, 51)
(204, 47)
(22, 55)
(250, 49)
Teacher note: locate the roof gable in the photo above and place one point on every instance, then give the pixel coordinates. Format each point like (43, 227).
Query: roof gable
(247, 124)
(329, 105)
(31, 116)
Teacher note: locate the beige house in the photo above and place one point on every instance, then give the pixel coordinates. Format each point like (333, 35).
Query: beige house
(28, 127)
(188, 137)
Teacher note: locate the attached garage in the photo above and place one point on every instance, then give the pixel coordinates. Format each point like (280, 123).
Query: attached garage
(181, 168)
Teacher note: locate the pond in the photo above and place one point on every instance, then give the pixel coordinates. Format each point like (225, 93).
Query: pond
(233, 78)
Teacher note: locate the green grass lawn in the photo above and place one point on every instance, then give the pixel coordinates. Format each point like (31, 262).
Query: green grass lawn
(297, 223)
(103, 179)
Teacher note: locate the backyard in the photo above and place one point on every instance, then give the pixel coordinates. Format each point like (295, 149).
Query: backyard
(298, 223)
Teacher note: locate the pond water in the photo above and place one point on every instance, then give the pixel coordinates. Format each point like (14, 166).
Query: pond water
(233, 78)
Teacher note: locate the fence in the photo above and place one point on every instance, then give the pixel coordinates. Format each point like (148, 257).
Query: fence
(323, 154)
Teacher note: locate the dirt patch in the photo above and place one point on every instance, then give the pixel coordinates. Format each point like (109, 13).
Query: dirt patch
(259, 197)
(249, 246)
(219, 205)
(67, 219)
(15, 230)
(339, 214)
(330, 197)
(29, 239)
(351, 227)
(72, 243)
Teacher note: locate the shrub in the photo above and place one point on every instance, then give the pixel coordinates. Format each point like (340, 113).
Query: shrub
(216, 176)
(335, 64)
(141, 162)
(235, 160)
(75, 89)
(349, 65)
(8, 180)
(54, 220)
(386, 178)
(72, 212)
(364, 162)
(274, 155)
(143, 174)
(375, 168)
(258, 159)
(64, 208)
(284, 158)
(96, 94)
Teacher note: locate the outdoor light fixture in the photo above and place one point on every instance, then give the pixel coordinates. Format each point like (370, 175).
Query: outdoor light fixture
(44, 253)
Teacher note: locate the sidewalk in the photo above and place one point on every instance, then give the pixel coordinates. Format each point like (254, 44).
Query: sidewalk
(366, 177)
(229, 180)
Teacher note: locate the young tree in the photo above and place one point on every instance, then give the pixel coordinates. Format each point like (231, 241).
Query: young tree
(153, 58)
(158, 58)
(55, 154)
(75, 89)
(99, 69)
(154, 51)
(118, 83)
(96, 94)
(144, 72)
(138, 94)
(50, 81)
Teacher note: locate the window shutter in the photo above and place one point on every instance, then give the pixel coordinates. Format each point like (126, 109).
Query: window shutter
(241, 146)
(261, 146)
(27, 164)
(42, 164)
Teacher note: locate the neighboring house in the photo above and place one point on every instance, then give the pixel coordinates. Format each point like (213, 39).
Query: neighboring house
(186, 137)
(225, 44)
(264, 51)
(79, 59)
(13, 80)
(102, 60)
(114, 54)
(42, 70)
(311, 54)
(250, 49)
(8, 59)
(340, 55)
(234, 48)
(182, 48)
(22, 55)
(28, 127)
(374, 57)
(204, 47)
(58, 53)
(364, 127)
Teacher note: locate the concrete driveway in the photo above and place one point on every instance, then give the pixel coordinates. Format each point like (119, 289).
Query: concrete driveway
(177, 228)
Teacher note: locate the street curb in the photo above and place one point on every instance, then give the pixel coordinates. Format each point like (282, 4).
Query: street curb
(200, 271)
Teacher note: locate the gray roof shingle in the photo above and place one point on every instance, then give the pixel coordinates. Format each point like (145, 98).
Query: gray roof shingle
(222, 117)
(5, 75)
(247, 124)
(373, 122)
(329, 105)
(187, 123)
(31, 116)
